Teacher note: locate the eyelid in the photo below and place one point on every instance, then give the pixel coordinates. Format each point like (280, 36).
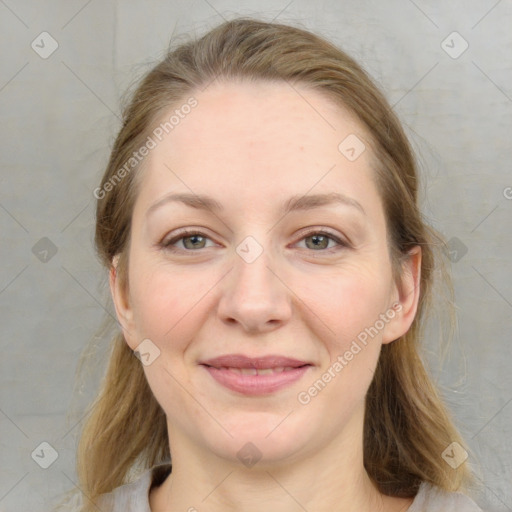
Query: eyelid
(312, 230)
(184, 233)
(321, 230)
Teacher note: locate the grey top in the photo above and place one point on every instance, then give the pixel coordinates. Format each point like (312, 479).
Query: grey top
(134, 497)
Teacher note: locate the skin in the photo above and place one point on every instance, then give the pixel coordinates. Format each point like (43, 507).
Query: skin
(251, 147)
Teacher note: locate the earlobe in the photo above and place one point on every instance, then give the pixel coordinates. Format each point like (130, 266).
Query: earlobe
(408, 293)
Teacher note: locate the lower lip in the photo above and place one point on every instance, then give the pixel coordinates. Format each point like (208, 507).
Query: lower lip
(256, 384)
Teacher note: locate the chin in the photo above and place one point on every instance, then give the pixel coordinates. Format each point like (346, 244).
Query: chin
(262, 453)
(264, 438)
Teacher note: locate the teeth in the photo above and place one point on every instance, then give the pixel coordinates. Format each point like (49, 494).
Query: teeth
(248, 371)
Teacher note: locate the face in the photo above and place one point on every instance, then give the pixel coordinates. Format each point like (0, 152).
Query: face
(312, 283)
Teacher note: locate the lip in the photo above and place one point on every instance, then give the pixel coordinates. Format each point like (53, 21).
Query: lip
(232, 372)
(242, 361)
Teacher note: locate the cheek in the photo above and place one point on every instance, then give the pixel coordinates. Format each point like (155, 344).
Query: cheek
(351, 306)
(167, 306)
(350, 302)
(168, 303)
(160, 300)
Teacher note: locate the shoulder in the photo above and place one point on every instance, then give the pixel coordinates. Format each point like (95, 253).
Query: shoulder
(433, 499)
(134, 496)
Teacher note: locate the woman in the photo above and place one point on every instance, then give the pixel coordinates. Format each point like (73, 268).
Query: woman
(271, 271)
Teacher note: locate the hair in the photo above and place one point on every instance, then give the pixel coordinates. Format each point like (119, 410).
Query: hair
(406, 426)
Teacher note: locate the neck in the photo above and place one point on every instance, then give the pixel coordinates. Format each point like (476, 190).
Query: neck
(331, 478)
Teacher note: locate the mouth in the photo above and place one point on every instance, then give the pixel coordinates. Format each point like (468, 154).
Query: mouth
(255, 376)
(256, 371)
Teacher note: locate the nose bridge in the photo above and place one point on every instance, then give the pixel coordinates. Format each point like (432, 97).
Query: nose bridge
(253, 295)
(252, 278)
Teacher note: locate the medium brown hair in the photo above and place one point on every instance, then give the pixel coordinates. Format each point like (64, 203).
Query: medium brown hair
(406, 426)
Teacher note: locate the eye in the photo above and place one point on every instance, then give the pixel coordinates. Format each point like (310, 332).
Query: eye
(191, 240)
(317, 241)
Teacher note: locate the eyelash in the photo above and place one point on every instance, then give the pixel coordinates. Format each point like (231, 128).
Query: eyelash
(185, 233)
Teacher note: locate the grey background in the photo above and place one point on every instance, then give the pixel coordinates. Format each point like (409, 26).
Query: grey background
(59, 118)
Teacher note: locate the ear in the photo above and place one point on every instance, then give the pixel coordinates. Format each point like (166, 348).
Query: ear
(407, 294)
(121, 303)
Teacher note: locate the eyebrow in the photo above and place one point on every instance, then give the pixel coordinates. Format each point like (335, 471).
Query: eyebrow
(294, 203)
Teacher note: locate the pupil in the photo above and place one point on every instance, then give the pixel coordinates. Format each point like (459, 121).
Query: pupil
(319, 238)
(193, 239)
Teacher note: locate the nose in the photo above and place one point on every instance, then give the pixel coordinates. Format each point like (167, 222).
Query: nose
(254, 295)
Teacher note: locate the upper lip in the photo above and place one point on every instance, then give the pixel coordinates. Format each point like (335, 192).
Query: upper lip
(241, 361)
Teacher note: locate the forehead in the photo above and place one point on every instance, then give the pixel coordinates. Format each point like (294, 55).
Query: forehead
(274, 113)
(260, 137)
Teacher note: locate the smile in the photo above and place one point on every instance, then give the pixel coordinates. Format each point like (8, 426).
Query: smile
(258, 371)
(256, 381)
